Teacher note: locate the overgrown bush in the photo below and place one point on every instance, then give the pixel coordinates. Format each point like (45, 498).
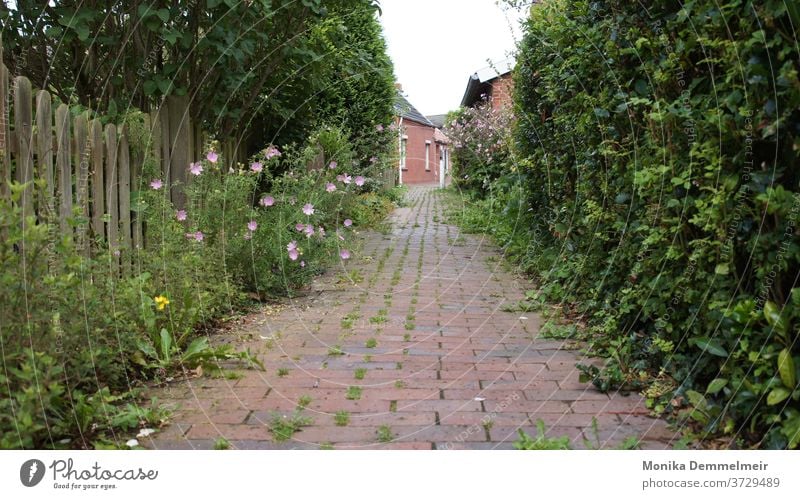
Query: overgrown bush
(481, 137)
(658, 192)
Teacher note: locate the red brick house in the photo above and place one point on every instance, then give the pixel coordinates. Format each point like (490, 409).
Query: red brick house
(422, 146)
(494, 83)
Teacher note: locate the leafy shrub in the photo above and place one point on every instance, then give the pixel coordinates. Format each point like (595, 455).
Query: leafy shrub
(480, 137)
(657, 191)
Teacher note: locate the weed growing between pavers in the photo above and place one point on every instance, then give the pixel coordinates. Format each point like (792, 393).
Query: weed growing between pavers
(283, 427)
(341, 418)
(353, 393)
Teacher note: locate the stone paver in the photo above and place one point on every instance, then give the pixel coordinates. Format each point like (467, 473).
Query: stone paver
(422, 332)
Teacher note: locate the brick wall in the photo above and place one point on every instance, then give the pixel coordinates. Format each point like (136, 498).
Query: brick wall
(502, 90)
(415, 172)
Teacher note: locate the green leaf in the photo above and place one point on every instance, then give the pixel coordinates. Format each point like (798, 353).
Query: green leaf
(722, 269)
(196, 347)
(163, 14)
(778, 395)
(166, 344)
(601, 113)
(786, 369)
(708, 345)
(773, 315)
(716, 385)
(697, 399)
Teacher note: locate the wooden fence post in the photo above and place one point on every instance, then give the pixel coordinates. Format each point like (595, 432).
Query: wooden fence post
(44, 154)
(81, 125)
(5, 138)
(180, 147)
(124, 171)
(23, 127)
(64, 167)
(111, 189)
(98, 184)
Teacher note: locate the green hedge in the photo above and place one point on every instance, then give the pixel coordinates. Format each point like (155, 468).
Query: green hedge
(658, 150)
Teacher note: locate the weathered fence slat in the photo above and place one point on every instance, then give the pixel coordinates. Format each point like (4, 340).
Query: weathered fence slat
(98, 185)
(179, 142)
(64, 166)
(81, 126)
(124, 169)
(111, 186)
(44, 153)
(5, 137)
(23, 125)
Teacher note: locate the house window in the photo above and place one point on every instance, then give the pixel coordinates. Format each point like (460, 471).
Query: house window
(427, 155)
(403, 147)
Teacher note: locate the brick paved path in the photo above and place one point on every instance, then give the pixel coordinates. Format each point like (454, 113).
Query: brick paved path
(424, 339)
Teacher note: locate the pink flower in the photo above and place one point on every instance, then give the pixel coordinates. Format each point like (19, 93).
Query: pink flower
(373, 159)
(379, 128)
(197, 236)
(252, 225)
(308, 209)
(330, 187)
(299, 227)
(180, 215)
(156, 184)
(346, 178)
(333, 165)
(344, 254)
(272, 152)
(212, 156)
(267, 201)
(348, 222)
(293, 254)
(302, 263)
(360, 180)
(196, 168)
(309, 230)
(291, 246)
(256, 167)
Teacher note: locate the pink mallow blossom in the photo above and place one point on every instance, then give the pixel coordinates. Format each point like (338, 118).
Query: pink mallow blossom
(332, 165)
(344, 254)
(267, 201)
(360, 180)
(197, 236)
(347, 222)
(379, 128)
(212, 156)
(180, 215)
(196, 168)
(256, 167)
(299, 227)
(272, 152)
(308, 209)
(293, 254)
(309, 230)
(252, 225)
(156, 184)
(330, 187)
(291, 246)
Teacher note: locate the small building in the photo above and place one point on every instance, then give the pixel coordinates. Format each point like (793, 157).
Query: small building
(423, 147)
(493, 83)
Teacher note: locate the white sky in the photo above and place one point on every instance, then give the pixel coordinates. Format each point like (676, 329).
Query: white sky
(437, 44)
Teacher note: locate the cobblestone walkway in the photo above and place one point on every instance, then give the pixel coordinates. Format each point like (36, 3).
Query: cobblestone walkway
(419, 354)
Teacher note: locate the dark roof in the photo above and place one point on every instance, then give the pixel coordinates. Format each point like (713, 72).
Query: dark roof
(404, 108)
(437, 120)
(480, 82)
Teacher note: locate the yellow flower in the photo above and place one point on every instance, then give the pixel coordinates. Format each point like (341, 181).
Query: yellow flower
(161, 302)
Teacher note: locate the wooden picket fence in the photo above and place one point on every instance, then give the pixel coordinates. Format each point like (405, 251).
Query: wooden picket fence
(89, 167)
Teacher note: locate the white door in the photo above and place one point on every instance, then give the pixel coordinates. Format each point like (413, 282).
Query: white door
(441, 166)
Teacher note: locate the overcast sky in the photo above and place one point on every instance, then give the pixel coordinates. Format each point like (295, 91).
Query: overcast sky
(436, 44)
